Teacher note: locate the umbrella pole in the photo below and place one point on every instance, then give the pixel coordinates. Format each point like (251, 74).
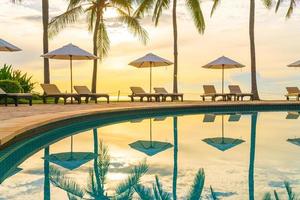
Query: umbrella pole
(150, 77)
(71, 70)
(223, 79)
(222, 129)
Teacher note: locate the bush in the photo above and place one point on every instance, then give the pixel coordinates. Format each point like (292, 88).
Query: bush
(10, 86)
(8, 73)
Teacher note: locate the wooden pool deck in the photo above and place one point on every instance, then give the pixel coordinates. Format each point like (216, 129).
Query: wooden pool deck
(17, 120)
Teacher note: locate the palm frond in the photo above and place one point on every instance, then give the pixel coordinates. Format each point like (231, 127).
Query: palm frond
(58, 178)
(133, 25)
(144, 7)
(125, 189)
(90, 17)
(277, 5)
(103, 42)
(61, 21)
(289, 190)
(159, 192)
(197, 15)
(198, 185)
(276, 195)
(291, 8)
(213, 194)
(74, 3)
(159, 7)
(214, 7)
(268, 3)
(267, 196)
(122, 4)
(143, 192)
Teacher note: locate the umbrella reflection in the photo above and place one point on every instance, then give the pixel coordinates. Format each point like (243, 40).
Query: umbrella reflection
(222, 143)
(150, 147)
(71, 160)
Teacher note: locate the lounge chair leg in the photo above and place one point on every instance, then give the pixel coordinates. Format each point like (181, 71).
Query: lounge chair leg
(96, 101)
(16, 101)
(65, 100)
(30, 102)
(44, 100)
(132, 99)
(86, 100)
(181, 98)
(107, 99)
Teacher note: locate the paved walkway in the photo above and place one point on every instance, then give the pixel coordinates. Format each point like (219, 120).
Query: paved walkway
(15, 120)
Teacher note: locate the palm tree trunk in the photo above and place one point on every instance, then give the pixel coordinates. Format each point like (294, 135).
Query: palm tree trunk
(252, 156)
(45, 8)
(46, 174)
(175, 87)
(175, 167)
(252, 51)
(95, 51)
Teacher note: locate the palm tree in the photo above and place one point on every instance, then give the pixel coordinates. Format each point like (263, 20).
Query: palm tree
(291, 7)
(94, 11)
(159, 6)
(268, 4)
(45, 16)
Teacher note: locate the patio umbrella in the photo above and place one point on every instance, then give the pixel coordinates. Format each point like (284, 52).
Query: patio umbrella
(223, 143)
(149, 61)
(150, 147)
(70, 52)
(295, 64)
(223, 63)
(5, 46)
(295, 141)
(71, 160)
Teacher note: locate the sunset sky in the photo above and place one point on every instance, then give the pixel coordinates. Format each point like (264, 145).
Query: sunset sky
(277, 42)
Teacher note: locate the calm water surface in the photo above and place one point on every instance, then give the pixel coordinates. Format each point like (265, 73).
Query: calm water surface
(243, 157)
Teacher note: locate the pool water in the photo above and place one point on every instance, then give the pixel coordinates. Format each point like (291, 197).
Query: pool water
(233, 155)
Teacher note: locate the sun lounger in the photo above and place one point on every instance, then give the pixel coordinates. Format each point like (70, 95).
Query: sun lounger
(210, 91)
(236, 93)
(52, 91)
(292, 92)
(140, 93)
(15, 97)
(84, 91)
(165, 94)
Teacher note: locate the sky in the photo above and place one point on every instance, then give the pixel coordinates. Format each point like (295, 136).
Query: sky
(277, 44)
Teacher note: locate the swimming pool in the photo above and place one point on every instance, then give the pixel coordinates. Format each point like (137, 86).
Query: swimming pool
(242, 154)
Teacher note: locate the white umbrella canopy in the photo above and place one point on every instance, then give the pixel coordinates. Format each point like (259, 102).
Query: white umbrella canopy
(5, 46)
(150, 60)
(295, 64)
(223, 63)
(70, 52)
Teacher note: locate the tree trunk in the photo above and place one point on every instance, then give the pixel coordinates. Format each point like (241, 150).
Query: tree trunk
(175, 167)
(252, 156)
(175, 87)
(95, 51)
(252, 51)
(45, 8)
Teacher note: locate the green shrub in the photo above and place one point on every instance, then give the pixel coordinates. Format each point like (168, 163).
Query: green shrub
(10, 86)
(8, 73)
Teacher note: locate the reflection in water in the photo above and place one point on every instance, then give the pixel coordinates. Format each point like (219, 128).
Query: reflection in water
(187, 172)
(150, 147)
(71, 160)
(46, 175)
(252, 155)
(222, 143)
